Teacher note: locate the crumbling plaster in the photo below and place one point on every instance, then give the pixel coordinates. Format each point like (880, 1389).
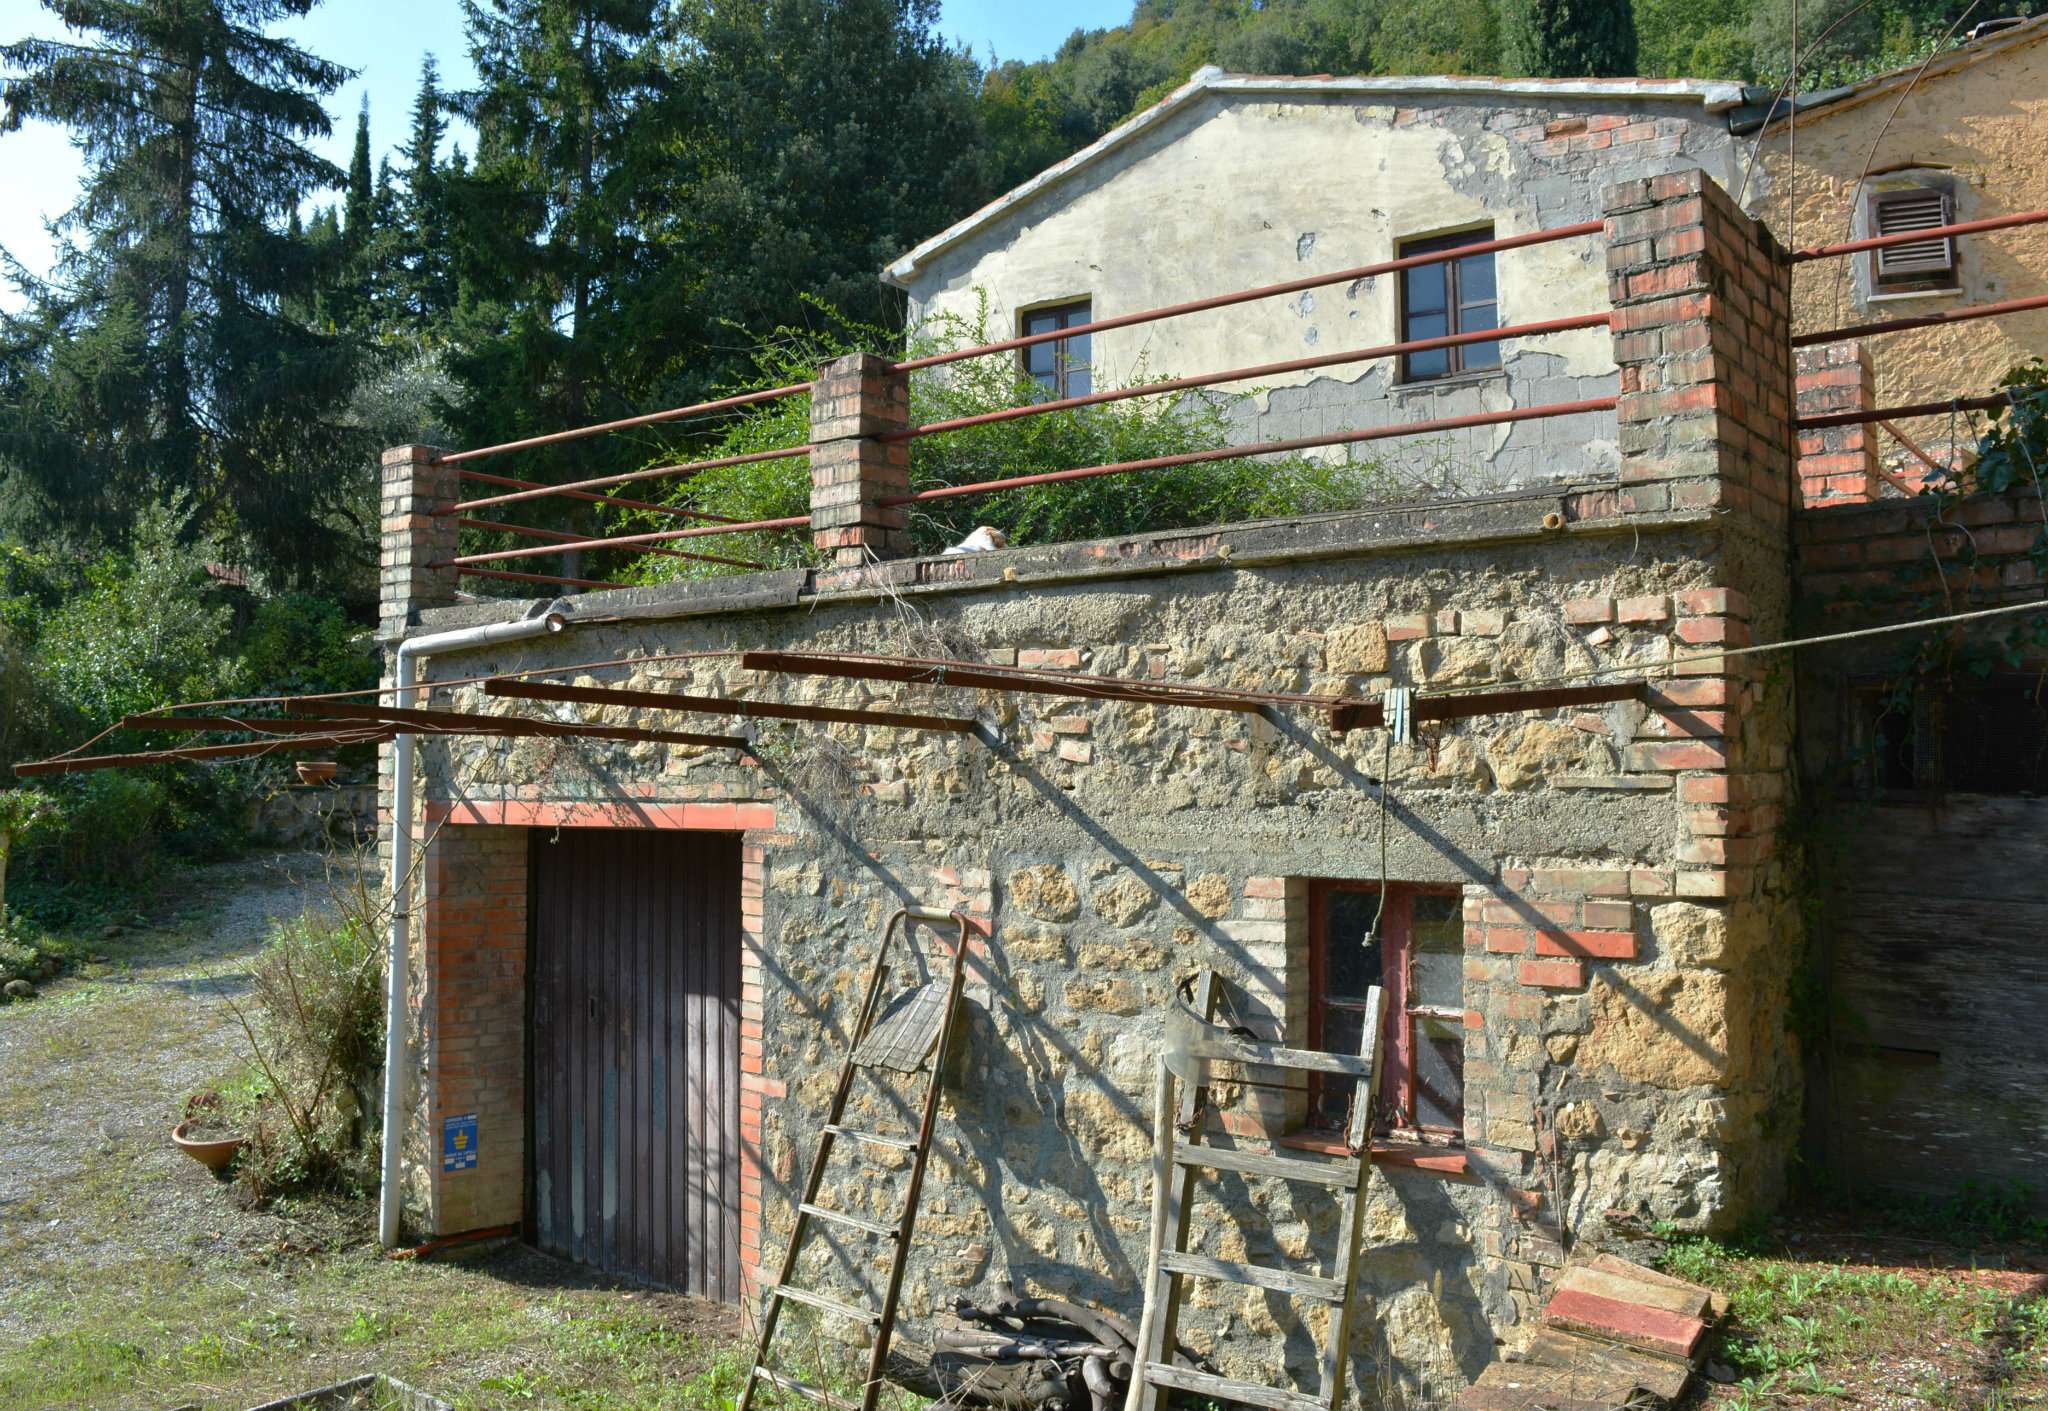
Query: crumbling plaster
(1245, 189)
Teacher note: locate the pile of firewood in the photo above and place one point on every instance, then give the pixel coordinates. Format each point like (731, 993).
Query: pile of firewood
(1033, 1354)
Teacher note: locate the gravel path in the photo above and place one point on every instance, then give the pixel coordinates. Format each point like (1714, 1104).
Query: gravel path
(94, 1073)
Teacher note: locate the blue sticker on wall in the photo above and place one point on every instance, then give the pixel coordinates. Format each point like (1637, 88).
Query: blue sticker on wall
(458, 1143)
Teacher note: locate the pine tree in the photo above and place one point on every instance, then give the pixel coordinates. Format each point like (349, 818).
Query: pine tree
(546, 219)
(429, 286)
(1568, 38)
(166, 355)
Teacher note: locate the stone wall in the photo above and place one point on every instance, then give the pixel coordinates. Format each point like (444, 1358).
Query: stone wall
(1628, 923)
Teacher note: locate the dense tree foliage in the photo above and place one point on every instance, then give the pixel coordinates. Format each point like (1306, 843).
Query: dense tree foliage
(1568, 38)
(162, 354)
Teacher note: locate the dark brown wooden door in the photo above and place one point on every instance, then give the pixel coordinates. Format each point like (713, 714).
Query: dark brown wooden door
(634, 1164)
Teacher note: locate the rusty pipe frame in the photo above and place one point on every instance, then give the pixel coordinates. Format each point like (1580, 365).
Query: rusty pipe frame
(797, 521)
(558, 536)
(1910, 237)
(616, 501)
(657, 472)
(1958, 404)
(1240, 374)
(1261, 448)
(1266, 291)
(745, 399)
(514, 576)
(1900, 325)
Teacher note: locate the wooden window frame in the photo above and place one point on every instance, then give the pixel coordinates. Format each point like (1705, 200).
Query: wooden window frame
(1454, 305)
(1397, 1053)
(1064, 365)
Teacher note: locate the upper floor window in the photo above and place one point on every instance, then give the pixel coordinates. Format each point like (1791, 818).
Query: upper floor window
(1418, 958)
(1914, 266)
(1060, 365)
(1446, 297)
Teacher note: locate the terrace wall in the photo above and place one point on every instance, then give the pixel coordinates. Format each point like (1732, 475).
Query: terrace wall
(1629, 926)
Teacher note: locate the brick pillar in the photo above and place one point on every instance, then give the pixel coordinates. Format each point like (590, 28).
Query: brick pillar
(1702, 326)
(855, 400)
(413, 485)
(1837, 465)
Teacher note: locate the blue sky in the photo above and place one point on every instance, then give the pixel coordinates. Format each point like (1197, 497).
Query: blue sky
(384, 40)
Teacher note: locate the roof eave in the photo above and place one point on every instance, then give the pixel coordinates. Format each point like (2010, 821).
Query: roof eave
(1712, 95)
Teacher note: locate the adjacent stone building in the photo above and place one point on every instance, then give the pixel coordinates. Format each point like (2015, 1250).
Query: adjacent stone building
(638, 961)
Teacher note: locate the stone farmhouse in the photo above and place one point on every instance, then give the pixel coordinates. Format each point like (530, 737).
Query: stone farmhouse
(635, 962)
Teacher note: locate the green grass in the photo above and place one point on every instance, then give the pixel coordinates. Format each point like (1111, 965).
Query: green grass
(1807, 1332)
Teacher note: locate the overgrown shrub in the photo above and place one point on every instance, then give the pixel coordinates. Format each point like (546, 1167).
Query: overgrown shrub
(302, 644)
(316, 1035)
(1140, 428)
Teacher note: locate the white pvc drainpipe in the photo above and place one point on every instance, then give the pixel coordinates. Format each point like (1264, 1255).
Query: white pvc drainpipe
(548, 619)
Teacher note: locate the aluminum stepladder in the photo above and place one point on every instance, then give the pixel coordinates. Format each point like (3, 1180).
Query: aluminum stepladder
(1176, 1168)
(916, 1031)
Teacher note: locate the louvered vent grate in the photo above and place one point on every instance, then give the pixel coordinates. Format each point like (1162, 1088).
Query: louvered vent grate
(1916, 259)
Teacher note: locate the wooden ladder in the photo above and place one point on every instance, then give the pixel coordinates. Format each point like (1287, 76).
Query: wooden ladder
(1176, 1167)
(913, 1031)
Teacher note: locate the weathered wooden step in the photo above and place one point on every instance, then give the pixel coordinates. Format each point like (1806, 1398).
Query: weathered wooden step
(1225, 1389)
(1200, 1266)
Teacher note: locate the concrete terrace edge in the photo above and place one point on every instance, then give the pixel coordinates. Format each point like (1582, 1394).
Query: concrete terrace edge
(1455, 524)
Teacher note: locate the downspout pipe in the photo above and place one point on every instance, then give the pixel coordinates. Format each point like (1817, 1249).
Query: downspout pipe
(542, 620)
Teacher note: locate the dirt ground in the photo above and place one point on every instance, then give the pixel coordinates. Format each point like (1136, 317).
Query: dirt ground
(130, 1280)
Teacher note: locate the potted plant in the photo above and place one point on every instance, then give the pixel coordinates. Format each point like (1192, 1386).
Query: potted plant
(317, 771)
(206, 1135)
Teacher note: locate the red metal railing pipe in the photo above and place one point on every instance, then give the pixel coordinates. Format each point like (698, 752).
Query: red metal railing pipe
(1909, 237)
(1958, 404)
(620, 501)
(561, 536)
(1240, 374)
(1899, 325)
(1262, 448)
(1245, 296)
(517, 577)
(628, 541)
(655, 472)
(745, 399)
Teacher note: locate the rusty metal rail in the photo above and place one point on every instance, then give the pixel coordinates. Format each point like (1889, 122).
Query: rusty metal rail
(1912, 237)
(1241, 374)
(1261, 448)
(663, 536)
(562, 536)
(615, 501)
(1265, 291)
(1900, 325)
(657, 472)
(745, 399)
(1855, 418)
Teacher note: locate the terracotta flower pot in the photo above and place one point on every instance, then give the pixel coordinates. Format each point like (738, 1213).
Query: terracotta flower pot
(214, 1153)
(317, 771)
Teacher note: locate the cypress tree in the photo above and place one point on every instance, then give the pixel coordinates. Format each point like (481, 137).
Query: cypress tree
(171, 352)
(358, 218)
(1568, 38)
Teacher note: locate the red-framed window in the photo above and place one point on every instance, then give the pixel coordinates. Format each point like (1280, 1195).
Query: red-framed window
(1419, 959)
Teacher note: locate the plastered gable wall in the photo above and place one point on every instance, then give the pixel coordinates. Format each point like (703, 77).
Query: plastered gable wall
(1981, 126)
(1239, 190)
